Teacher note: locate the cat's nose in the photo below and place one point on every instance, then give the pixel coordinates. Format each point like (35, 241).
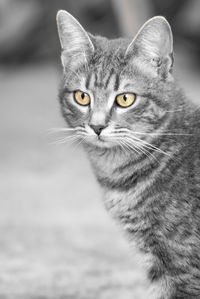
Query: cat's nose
(97, 128)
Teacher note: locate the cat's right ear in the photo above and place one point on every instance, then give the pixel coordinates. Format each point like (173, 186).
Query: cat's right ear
(75, 42)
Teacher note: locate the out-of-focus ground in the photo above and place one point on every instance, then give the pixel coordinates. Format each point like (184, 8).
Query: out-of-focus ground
(56, 239)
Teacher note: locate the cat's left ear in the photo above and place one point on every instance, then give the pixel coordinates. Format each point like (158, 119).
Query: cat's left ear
(153, 46)
(75, 42)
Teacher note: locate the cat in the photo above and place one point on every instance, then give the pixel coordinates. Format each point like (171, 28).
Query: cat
(142, 136)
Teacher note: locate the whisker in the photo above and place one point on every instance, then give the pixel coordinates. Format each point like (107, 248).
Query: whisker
(55, 130)
(76, 134)
(131, 146)
(156, 133)
(66, 130)
(123, 146)
(144, 144)
(150, 145)
(136, 146)
(80, 141)
(139, 142)
(148, 153)
(64, 140)
(163, 134)
(143, 150)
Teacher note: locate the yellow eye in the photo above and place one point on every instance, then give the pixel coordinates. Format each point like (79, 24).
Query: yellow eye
(82, 98)
(125, 99)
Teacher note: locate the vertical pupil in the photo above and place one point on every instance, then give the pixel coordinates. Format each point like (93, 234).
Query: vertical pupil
(125, 98)
(82, 96)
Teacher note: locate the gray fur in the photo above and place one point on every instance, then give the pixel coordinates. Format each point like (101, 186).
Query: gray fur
(148, 163)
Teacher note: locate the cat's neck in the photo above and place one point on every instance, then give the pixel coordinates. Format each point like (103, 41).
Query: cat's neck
(107, 161)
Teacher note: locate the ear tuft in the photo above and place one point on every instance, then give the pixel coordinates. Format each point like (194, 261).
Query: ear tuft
(74, 40)
(153, 43)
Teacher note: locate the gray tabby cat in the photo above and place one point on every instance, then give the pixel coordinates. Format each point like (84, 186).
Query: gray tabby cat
(142, 137)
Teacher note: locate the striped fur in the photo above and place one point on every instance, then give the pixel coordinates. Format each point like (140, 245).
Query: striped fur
(148, 159)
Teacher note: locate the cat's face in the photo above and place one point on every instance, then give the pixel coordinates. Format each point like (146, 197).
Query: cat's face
(113, 88)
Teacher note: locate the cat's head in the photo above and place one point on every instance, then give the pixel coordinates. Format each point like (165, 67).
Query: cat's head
(112, 88)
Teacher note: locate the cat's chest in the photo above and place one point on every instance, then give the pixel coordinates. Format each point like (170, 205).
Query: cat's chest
(127, 208)
(109, 164)
(144, 260)
(127, 205)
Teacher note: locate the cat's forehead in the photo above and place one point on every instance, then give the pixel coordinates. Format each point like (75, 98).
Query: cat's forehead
(110, 45)
(105, 66)
(102, 81)
(107, 70)
(109, 53)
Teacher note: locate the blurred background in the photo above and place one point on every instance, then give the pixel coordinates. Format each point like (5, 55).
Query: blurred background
(56, 239)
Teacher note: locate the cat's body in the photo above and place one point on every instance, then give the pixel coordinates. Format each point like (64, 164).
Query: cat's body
(158, 206)
(159, 210)
(145, 156)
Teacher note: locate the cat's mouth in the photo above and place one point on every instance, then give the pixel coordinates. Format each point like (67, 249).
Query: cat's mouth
(98, 140)
(101, 141)
(101, 138)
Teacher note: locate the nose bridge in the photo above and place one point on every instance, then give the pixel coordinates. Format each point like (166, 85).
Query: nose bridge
(98, 116)
(99, 112)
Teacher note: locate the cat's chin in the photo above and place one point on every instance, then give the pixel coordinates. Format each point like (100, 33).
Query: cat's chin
(101, 143)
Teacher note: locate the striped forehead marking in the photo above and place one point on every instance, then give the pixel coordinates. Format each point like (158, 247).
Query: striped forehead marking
(96, 80)
(108, 78)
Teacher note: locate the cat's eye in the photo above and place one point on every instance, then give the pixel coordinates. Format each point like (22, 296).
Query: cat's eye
(125, 99)
(82, 98)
